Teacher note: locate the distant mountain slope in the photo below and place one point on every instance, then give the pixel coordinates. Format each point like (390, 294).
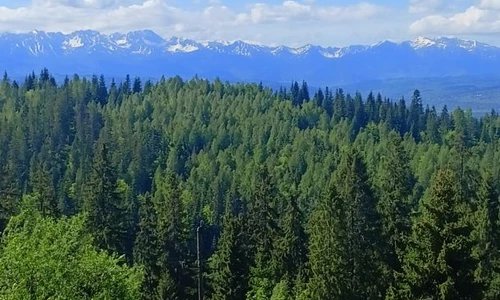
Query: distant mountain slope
(144, 53)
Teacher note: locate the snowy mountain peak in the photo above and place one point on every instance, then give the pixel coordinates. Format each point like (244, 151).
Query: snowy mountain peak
(447, 43)
(144, 53)
(422, 42)
(176, 45)
(147, 43)
(74, 42)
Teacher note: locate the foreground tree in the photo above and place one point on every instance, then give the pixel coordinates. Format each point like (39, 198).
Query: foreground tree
(104, 206)
(229, 265)
(487, 236)
(42, 258)
(292, 249)
(263, 232)
(146, 247)
(394, 182)
(439, 262)
(344, 253)
(174, 278)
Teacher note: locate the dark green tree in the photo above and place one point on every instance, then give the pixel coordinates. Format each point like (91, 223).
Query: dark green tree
(174, 274)
(486, 234)
(345, 253)
(146, 247)
(229, 265)
(262, 234)
(103, 204)
(395, 184)
(439, 262)
(292, 246)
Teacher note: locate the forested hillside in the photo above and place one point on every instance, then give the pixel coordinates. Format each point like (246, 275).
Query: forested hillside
(333, 196)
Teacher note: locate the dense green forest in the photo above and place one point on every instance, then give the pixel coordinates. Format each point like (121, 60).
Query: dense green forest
(103, 188)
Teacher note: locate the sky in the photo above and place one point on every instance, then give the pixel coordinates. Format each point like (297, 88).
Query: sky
(289, 22)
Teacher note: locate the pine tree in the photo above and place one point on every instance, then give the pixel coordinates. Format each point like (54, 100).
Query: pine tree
(9, 196)
(44, 187)
(344, 254)
(106, 218)
(102, 91)
(137, 87)
(439, 262)
(295, 93)
(486, 234)
(146, 247)
(292, 245)
(229, 266)
(395, 183)
(263, 230)
(174, 277)
(415, 117)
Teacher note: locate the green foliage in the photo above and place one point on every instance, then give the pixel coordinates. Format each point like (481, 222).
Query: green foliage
(439, 262)
(146, 163)
(42, 258)
(170, 230)
(263, 231)
(486, 234)
(395, 183)
(104, 205)
(346, 258)
(281, 291)
(146, 251)
(229, 264)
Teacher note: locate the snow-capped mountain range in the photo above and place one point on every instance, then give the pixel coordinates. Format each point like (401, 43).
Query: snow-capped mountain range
(144, 53)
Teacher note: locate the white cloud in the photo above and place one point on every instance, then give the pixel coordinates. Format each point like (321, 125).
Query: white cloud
(474, 20)
(490, 4)
(291, 22)
(424, 6)
(295, 11)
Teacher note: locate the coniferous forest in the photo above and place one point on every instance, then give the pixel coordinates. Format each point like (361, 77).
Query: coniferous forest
(136, 190)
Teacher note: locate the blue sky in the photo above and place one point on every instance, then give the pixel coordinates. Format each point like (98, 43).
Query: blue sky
(289, 22)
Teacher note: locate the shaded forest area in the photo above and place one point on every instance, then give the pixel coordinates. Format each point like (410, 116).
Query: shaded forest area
(335, 196)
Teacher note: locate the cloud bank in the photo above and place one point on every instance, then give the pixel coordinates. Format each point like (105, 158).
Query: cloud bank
(210, 20)
(480, 19)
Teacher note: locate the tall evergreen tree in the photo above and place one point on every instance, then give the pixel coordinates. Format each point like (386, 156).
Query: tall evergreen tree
(229, 265)
(292, 246)
(9, 196)
(146, 247)
(263, 231)
(487, 236)
(44, 187)
(174, 278)
(415, 117)
(395, 183)
(439, 262)
(104, 206)
(345, 253)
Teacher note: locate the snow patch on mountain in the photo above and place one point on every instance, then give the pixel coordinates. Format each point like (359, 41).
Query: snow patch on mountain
(74, 42)
(422, 42)
(182, 48)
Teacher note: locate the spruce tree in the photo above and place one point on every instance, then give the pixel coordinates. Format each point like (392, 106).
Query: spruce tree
(9, 196)
(292, 245)
(146, 247)
(174, 277)
(44, 187)
(263, 230)
(487, 236)
(394, 182)
(106, 218)
(345, 256)
(439, 262)
(229, 264)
